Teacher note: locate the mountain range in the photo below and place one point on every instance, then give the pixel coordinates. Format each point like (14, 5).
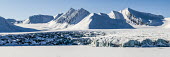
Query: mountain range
(124, 19)
(83, 19)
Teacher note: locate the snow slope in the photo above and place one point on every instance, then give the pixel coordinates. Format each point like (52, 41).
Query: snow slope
(115, 15)
(38, 19)
(140, 18)
(57, 16)
(166, 23)
(69, 19)
(101, 21)
(39, 26)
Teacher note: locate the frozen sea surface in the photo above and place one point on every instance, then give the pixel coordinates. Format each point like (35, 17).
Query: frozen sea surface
(82, 51)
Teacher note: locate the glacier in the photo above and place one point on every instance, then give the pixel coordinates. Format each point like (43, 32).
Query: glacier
(90, 38)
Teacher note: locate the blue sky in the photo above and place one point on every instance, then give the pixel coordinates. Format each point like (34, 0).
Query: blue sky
(22, 9)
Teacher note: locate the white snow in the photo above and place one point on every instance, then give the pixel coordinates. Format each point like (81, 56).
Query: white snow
(115, 15)
(166, 23)
(38, 26)
(81, 51)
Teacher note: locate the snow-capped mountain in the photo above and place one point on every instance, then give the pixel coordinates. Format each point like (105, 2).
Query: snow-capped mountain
(128, 17)
(140, 18)
(81, 18)
(38, 19)
(6, 26)
(69, 19)
(101, 21)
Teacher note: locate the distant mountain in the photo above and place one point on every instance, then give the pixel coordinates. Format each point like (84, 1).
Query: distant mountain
(140, 18)
(114, 20)
(69, 19)
(11, 20)
(101, 21)
(83, 19)
(6, 26)
(38, 19)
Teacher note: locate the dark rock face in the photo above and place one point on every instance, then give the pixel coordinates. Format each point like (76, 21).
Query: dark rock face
(6, 26)
(38, 19)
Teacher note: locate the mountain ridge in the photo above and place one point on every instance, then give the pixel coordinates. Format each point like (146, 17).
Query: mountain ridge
(142, 18)
(70, 18)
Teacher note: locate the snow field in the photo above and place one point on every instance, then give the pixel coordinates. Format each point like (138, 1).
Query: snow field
(82, 51)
